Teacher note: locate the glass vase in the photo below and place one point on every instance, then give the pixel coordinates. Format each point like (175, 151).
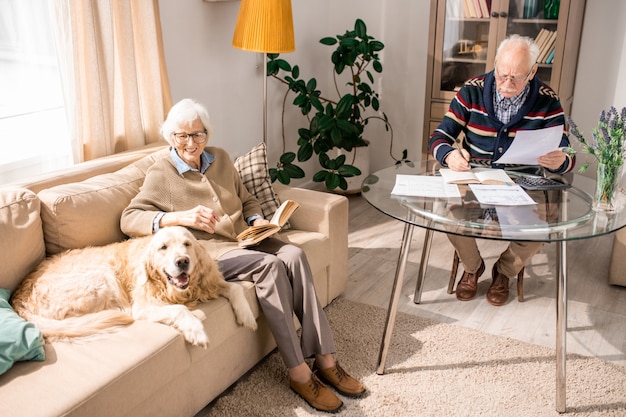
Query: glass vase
(607, 182)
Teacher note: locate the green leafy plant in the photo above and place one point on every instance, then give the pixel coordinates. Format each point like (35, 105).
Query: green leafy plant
(333, 122)
(607, 146)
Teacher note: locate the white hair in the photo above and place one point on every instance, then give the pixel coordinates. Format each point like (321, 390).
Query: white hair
(182, 114)
(522, 42)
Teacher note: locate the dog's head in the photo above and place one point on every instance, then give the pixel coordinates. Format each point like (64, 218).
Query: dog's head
(177, 269)
(173, 254)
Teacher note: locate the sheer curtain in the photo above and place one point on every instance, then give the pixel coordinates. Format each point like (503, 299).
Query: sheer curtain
(114, 76)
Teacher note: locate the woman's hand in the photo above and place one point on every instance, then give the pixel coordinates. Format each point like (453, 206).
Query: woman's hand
(457, 160)
(552, 160)
(199, 217)
(260, 221)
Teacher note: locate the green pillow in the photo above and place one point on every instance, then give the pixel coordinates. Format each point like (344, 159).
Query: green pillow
(20, 340)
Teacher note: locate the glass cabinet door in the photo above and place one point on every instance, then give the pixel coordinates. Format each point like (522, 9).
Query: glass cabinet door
(537, 19)
(467, 40)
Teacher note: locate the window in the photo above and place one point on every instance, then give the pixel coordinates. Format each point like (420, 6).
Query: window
(34, 135)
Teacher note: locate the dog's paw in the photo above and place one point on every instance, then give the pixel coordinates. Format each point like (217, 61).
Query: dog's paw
(193, 331)
(245, 318)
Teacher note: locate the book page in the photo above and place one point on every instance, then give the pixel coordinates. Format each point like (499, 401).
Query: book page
(284, 212)
(492, 176)
(476, 176)
(458, 177)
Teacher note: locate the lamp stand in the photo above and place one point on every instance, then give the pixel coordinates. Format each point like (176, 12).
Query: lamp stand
(264, 63)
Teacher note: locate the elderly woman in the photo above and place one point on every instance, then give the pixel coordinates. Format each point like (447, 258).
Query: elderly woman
(199, 188)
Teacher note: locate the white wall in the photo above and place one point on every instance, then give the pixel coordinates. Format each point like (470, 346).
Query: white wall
(203, 64)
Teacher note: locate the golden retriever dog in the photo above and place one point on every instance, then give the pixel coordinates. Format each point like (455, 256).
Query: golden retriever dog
(83, 292)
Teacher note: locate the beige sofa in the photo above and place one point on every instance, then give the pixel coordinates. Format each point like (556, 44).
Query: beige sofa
(145, 369)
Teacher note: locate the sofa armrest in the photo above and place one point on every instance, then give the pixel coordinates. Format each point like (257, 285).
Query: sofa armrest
(325, 213)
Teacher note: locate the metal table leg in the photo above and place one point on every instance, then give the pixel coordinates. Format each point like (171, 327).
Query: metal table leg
(395, 296)
(428, 240)
(561, 325)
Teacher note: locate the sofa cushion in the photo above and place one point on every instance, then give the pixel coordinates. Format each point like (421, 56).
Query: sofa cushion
(87, 213)
(21, 235)
(20, 340)
(252, 168)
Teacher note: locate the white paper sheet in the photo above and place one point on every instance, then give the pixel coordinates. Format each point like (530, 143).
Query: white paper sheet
(505, 195)
(424, 186)
(529, 145)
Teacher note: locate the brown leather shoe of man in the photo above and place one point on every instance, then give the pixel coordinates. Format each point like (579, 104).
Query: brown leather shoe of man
(318, 395)
(466, 288)
(498, 293)
(339, 379)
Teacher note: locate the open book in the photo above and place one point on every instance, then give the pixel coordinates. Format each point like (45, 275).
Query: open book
(476, 176)
(254, 234)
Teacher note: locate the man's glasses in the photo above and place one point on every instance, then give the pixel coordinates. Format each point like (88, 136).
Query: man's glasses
(513, 80)
(197, 137)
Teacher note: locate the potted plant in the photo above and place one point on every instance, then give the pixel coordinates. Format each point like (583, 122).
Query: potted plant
(608, 146)
(337, 122)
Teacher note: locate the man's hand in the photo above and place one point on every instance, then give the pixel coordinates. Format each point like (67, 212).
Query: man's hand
(552, 160)
(458, 160)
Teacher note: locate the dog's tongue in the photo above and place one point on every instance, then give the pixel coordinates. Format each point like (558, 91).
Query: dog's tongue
(181, 281)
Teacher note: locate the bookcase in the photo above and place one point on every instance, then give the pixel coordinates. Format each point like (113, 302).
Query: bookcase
(464, 36)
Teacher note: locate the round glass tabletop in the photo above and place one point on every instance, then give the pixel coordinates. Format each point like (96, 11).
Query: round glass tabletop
(556, 215)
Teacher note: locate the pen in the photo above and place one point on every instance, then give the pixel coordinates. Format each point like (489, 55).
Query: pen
(458, 146)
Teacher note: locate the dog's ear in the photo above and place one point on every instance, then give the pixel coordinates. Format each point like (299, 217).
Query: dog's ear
(145, 264)
(210, 279)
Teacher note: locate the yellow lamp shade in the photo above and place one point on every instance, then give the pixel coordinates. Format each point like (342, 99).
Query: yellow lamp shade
(264, 26)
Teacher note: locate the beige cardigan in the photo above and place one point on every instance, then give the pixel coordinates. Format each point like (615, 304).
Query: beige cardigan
(220, 188)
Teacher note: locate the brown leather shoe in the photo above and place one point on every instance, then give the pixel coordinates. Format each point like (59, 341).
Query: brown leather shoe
(339, 379)
(498, 293)
(466, 288)
(318, 395)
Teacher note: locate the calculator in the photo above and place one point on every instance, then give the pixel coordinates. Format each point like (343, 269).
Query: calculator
(540, 183)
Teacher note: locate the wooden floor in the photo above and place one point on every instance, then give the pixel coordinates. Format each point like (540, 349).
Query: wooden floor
(596, 310)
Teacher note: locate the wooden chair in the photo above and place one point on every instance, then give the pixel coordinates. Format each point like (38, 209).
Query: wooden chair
(455, 268)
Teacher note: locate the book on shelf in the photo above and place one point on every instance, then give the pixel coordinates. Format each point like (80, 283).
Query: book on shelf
(471, 9)
(255, 234)
(542, 38)
(484, 8)
(550, 57)
(476, 176)
(548, 46)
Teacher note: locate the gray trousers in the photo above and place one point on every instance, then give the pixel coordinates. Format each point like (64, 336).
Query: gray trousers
(511, 261)
(284, 285)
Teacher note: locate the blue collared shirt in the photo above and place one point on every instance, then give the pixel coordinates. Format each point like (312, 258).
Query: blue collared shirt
(506, 108)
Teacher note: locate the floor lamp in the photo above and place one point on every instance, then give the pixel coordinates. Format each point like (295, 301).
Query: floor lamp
(264, 26)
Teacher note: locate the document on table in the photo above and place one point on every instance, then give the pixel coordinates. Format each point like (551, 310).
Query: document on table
(504, 195)
(424, 186)
(529, 145)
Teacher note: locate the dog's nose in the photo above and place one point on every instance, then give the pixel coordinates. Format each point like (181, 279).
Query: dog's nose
(182, 262)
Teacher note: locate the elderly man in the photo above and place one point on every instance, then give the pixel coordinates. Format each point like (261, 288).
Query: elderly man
(489, 109)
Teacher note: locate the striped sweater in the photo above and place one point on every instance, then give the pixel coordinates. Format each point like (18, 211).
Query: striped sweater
(486, 138)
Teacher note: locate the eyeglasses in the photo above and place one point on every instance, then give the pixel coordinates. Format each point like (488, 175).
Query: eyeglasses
(197, 137)
(513, 80)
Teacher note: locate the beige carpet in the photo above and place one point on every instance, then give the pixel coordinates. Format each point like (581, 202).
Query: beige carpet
(434, 369)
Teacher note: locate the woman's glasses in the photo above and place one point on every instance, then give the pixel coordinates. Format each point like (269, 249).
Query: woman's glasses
(197, 137)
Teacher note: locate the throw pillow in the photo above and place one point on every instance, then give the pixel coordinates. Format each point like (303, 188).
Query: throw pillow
(20, 340)
(253, 170)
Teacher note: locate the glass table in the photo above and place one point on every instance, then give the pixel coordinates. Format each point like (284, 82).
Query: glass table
(559, 216)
